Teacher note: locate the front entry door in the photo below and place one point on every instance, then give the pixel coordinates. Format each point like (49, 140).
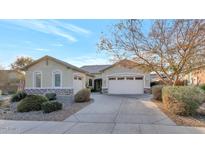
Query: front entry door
(98, 84)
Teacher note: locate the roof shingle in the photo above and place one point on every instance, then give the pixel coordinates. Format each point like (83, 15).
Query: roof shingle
(94, 68)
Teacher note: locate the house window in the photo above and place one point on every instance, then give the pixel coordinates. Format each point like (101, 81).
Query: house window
(90, 82)
(57, 79)
(77, 78)
(37, 79)
(120, 78)
(46, 62)
(130, 78)
(138, 78)
(112, 78)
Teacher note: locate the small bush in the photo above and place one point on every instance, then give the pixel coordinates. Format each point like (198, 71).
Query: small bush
(31, 103)
(182, 100)
(92, 90)
(82, 95)
(202, 87)
(18, 96)
(51, 96)
(51, 106)
(157, 92)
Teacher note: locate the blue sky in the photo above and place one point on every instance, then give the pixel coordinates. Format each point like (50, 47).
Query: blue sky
(73, 41)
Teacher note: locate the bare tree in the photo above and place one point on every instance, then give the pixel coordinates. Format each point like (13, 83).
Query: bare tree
(170, 48)
(21, 62)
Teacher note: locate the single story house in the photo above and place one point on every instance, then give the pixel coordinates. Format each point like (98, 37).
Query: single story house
(49, 74)
(123, 77)
(11, 81)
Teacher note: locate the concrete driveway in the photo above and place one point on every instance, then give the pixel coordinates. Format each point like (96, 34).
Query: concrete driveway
(108, 114)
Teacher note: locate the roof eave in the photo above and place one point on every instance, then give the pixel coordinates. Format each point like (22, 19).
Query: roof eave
(56, 60)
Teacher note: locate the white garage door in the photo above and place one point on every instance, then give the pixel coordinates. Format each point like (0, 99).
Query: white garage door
(77, 84)
(126, 85)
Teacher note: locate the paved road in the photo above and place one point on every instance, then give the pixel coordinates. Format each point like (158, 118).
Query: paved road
(108, 114)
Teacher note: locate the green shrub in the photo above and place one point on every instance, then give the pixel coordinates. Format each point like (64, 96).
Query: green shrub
(202, 87)
(182, 100)
(51, 96)
(51, 106)
(83, 95)
(18, 96)
(31, 103)
(157, 92)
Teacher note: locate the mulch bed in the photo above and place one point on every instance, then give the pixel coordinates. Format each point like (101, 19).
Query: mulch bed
(60, 115)
(194, 121)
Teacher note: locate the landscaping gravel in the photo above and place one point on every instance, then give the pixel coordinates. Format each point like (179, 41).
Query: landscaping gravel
(68, 110)
(194, 121)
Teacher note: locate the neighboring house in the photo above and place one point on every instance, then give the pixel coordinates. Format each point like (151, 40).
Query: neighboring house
(120, 78)
(155, 78)
(11, 81)
(196, 77)
(49, 74)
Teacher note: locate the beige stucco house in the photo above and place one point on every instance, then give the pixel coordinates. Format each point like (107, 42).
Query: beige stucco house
(49, 74)
(123, 77)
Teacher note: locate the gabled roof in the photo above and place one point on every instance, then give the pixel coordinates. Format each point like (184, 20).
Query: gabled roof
(94, 68)
(125, 63)
(57, 61)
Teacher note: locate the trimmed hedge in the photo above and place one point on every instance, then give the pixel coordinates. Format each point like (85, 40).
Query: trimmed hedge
(51, 106)
(51, 96)
(182, 100)
(18, 96)
(31, 103)
(83, 95)
(157, 92)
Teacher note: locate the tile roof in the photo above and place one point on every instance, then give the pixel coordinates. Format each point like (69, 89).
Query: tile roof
(94, 68)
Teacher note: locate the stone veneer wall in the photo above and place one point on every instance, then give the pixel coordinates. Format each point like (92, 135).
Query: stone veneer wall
(147, 90)
(104, 90)
(43, 91)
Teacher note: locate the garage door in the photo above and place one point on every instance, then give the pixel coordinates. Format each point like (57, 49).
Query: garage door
(77, 84)
(125, 85)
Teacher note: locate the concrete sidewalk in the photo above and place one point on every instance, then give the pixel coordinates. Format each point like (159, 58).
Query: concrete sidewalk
(37, 127)
(107, 115)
